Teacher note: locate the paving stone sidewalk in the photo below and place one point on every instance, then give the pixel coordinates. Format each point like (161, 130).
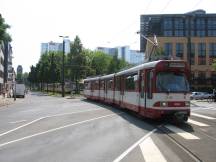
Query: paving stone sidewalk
(5, 101)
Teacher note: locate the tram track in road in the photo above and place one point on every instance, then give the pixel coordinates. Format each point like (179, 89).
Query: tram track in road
(163, 129)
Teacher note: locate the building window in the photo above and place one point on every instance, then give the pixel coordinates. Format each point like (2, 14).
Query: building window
(192, 27)
(202, 49)
(167, 25)
(168, 49)
(200, 26)
(179, 26)
(211, 26)
(179, 49)
(201, 53)
(168, 33)
(212, 49)
(212, 52)
(212, 33)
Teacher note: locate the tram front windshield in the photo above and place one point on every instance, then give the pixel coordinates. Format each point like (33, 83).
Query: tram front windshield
(171, 82)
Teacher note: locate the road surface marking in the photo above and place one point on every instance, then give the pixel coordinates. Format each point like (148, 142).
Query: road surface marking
(12, 130)
(197, 123)
(36, 120)
(19, 121)
(150, 151)
(203, 116)
(181, 132)
(133, 146)
(58, 128)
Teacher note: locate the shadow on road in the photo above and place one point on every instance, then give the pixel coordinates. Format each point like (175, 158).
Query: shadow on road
(142, 122)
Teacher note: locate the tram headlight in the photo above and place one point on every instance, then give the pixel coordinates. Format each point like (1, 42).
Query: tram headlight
(163, 104)
(187, 103)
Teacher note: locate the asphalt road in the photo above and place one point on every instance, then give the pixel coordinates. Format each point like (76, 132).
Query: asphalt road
(41, 128)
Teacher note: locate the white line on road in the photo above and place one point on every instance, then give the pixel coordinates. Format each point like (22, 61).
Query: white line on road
(197, 123)
(181, 132)
(12, 130)
(203, 116)
(150, 151)
(58, 128)
(36, 120)
(19, 121)
(133, 146)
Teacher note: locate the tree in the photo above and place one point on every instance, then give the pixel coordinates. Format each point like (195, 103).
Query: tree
(76, 62)
(4, 36)
(101, 62)
(214, 64)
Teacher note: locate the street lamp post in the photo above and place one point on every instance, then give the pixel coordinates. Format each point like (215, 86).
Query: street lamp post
(63, 57)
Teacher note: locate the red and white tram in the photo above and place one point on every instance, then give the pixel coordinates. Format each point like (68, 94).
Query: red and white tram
(155, 89)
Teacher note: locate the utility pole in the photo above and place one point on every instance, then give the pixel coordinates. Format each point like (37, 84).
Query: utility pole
(63, 57)
(189, 46)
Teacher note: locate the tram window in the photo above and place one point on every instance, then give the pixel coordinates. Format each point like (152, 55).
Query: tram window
(86, 85)
(110, 84)
(117, 85)
(96, 85)
(102, 85)
(142, 86)
(131, 82)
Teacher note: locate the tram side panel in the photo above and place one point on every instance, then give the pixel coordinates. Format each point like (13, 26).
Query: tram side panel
(109, 91)
(130, 95)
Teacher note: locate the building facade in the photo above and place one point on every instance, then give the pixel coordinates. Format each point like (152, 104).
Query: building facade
(125, 53)
(55, 47)
(190, 37)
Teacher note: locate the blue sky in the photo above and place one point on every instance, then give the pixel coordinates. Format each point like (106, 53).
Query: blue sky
(97, 22)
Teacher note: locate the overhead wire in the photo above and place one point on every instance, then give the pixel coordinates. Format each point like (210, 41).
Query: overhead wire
(134, 22)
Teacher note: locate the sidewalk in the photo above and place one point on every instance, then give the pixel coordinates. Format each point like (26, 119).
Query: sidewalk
(5, 101)
(202, 103)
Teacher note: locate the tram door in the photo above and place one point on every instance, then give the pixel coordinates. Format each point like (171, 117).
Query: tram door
(105, 89)
(142, 89)
(122, 80)
(148, 88)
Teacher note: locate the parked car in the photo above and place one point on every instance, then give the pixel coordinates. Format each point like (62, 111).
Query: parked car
(200, 95)
(207, 95)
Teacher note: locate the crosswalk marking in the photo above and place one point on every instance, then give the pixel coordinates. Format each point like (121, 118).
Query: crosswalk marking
(150, 151)
(203, 116)
(197, 123)
(181, 132)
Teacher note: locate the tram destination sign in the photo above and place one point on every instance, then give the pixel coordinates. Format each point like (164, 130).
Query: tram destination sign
(177, 64)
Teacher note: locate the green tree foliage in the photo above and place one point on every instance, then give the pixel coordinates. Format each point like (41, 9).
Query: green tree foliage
(101, 62)
(4, 36)
(79, 64)
(214, 64)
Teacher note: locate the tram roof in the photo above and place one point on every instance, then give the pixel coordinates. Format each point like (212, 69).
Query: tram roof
(91, 79)
(107, 76)
(139, 67)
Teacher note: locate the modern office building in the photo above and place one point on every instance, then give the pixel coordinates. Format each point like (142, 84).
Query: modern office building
(190, 36)
(55, 47)
(107, 50)
(125, 53)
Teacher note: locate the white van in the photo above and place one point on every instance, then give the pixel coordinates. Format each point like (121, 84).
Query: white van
(20, 90)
